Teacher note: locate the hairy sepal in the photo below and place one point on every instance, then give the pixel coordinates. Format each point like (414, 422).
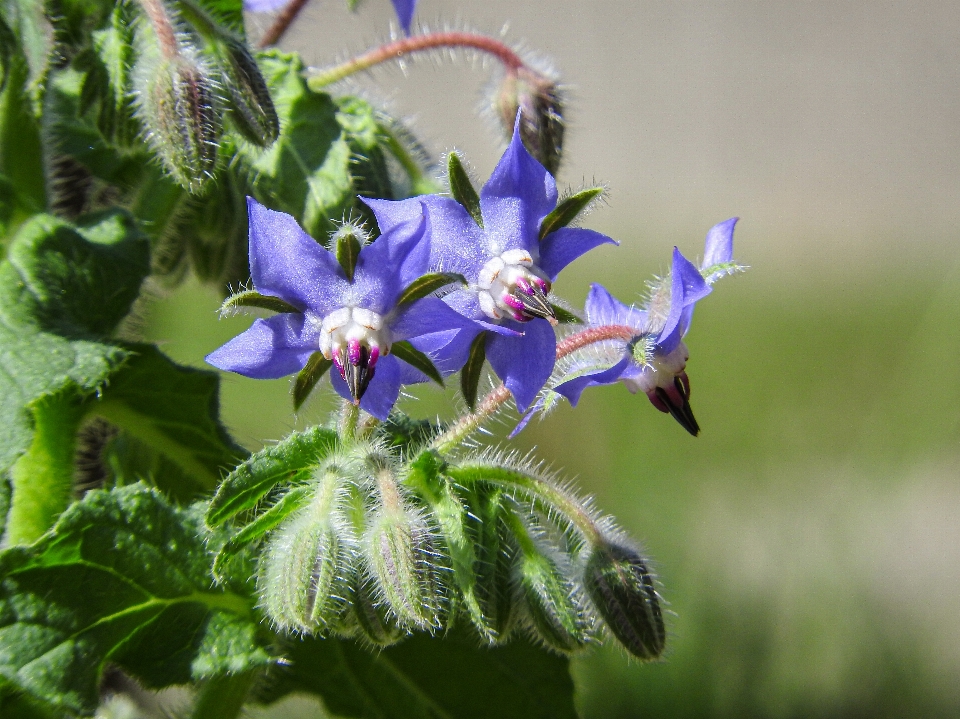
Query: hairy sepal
(462, 189)
(568, 210)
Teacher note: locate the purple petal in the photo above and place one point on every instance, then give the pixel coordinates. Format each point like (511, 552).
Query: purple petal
(382, 392)
(388, 264)
(405, 10)
(263, 5)
(286, 262)
(516, 198)
(563, 246)
(524, 363)
(448, 349)
(393, 212)
(718, 248)
(688, 286)
(271, 348)
(525, 419)
(457, 244)
(602, 308)
(428, 316)
(572, 389)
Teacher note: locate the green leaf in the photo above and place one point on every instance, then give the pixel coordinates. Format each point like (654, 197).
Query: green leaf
(347, 250)
(462, 189)
(428, 284)
(290, 460)
(61, 287)
(174, 410)
(428, 678)
(124, 578)
(289, 503)
(416, 359)
(308, 377)
(328, 152)
(470, 374)
(565, 316)
(568, 209)
(21, 154)
(252, 298)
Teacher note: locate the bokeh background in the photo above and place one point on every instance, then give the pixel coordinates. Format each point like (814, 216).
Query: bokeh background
(809, 540)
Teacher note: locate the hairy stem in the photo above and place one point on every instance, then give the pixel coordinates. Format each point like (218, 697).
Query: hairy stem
(162, 26)
(500, 394)
(223, 697)
(347, 425)
(42, 479)
(282, 23)
(418, 43)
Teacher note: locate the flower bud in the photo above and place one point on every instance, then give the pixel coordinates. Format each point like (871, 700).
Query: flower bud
(177, 106)
(540, 104)
(306, 568)
(246, 93)
(553, 603)
(495, 557)
(371, 617)
(622, 589)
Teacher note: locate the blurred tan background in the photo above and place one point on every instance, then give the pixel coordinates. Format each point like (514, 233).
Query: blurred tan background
(809, 540)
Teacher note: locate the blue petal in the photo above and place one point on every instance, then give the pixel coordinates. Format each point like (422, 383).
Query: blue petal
(405, 10)
(688, 286)
(393, 212)
(382, 392)
(263, 5)
(270, 348)
(388, 264)
(572, 389)
(448, 349)
(516, 198)
(602, 308)
(286, 262)
(428, 316)
(718, 248)
(524, 363)
(457, 244)
(563, 246)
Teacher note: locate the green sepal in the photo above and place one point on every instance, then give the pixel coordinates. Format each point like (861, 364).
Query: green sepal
(470, 374)
(290, 460)
(347, 251)
(462, 189)
(568, 209)
(252, 298)
(428, 284)
(308, 377)
(565, 316)
(289, 503)
(416, 359)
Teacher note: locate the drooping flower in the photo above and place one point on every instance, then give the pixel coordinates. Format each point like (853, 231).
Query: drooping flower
(351, 321)
(654, 361)
(510, 261)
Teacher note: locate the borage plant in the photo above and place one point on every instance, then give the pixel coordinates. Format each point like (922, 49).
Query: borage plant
(389, 566)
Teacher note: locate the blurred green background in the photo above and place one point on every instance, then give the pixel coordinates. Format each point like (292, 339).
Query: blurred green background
(808, 541)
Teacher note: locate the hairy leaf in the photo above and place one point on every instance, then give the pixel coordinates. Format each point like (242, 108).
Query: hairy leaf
(252, 298)
(462, 189)
(427, 285)
(428, 678)
(568, 209)
(289, 460)
(124, 577)
(416, 359)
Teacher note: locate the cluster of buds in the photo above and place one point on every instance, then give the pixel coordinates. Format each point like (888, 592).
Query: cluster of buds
(362, 544)
(188, 69)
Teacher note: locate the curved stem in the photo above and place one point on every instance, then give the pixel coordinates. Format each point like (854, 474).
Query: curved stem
(282, 23)
(349, 417)
(223, 697)
(418, 43)
(500, 394)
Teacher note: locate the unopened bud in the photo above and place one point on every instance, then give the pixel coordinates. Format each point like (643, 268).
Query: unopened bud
(401, 554)
(246, 93)
(177, 106)
(622, 589)
(540, 104)
(306, 568)
(495, 553)
(552, 602)
(372, 618)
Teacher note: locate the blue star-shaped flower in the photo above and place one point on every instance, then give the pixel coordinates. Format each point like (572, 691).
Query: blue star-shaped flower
(353, 323)
(508, 267)
(655, 360)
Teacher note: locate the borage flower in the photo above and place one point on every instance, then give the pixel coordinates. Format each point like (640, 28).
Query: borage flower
(510, 243)
(654, 359)
(349, 309)
(403, 8)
